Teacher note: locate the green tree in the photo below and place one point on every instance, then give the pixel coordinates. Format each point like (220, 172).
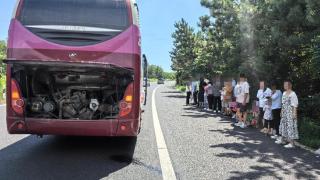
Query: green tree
(2, 66)
(221, 34)
(182, 54)
(155, 71)
(169, 75)
(3, 48)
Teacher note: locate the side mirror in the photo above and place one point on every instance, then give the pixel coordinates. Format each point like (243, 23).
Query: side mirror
(145, 77)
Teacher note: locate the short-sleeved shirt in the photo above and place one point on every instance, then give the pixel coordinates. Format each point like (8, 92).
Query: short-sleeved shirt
(293, 98)
(189, 86)
(262, 96)
(228, 93)
(243, 89)
(276, 100)
(194, 86)
(208, 89)
(216, 90)
(236, 90)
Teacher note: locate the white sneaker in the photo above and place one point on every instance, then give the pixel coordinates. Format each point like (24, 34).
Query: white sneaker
(279, 141)
(274, 137)
(243, 125)
(238, 124)
(289, 146)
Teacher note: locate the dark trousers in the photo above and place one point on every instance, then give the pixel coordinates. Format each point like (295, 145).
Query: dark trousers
(269, 123)
(201, 99)
(188, 97)
(260, 119)
(276, 119)
(210, 100)
(216, 103)
(195, 97)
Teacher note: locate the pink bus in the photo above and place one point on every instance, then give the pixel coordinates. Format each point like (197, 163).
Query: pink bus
(74, 68)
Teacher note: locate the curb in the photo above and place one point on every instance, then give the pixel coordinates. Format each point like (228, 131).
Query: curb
(305, 147)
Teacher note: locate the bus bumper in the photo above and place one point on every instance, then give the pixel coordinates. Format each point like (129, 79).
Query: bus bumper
(112, 127)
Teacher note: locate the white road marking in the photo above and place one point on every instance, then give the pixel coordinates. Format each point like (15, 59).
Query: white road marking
(165, 162)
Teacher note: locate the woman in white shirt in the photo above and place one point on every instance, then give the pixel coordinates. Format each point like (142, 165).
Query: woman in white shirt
(288, 125)
(262, 93)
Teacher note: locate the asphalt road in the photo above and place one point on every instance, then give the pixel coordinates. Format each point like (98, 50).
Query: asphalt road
(201, 145)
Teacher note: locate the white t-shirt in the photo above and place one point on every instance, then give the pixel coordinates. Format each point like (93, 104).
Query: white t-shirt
(243, 89)
(236, 90)
(261, 95)
(208, 88)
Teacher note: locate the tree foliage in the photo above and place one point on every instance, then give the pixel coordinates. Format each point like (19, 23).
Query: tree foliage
(2, 67)
(183, 55)
(3, 48)
(155, 71)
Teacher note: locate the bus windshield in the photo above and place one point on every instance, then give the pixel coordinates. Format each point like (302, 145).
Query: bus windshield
(73, 14)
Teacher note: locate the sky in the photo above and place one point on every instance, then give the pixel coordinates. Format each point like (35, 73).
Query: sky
(157, 18)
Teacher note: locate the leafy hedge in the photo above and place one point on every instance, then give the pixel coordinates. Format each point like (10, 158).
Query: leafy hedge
(309, 121)
(308, 107)
(309, 133)
(2, 86)
(181, 88)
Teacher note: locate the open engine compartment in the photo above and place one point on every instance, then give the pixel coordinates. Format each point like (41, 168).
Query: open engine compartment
(78, 93)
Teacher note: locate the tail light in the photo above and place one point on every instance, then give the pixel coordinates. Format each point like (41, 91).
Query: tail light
(126, 102)
(17, 102)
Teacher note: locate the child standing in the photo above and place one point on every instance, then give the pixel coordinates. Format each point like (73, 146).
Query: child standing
(227, 97)
(268, 125)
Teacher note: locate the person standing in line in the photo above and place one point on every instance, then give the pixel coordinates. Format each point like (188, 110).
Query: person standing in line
(236, 93)
(205, 96)
(263, 92)
(276, 108)
(288, 125)
(233, 83)
(268, 122)
(188, 90)
(208, 90)
(195, 92)
(223, 93)
(201, 93)
(227, 98)
(216, 97)
(243, 101)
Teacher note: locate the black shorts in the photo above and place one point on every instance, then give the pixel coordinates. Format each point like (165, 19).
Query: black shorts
(243, 108)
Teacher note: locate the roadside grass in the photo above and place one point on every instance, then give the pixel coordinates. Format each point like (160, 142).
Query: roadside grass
(309, 121)
(181, 88)
(309, 133)
(153, 79)
(2, 88)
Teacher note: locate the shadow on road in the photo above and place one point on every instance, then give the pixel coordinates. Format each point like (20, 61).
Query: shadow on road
(271, 156)
(171, 92)
(197, 113)
(175, 96)
(65, 157)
